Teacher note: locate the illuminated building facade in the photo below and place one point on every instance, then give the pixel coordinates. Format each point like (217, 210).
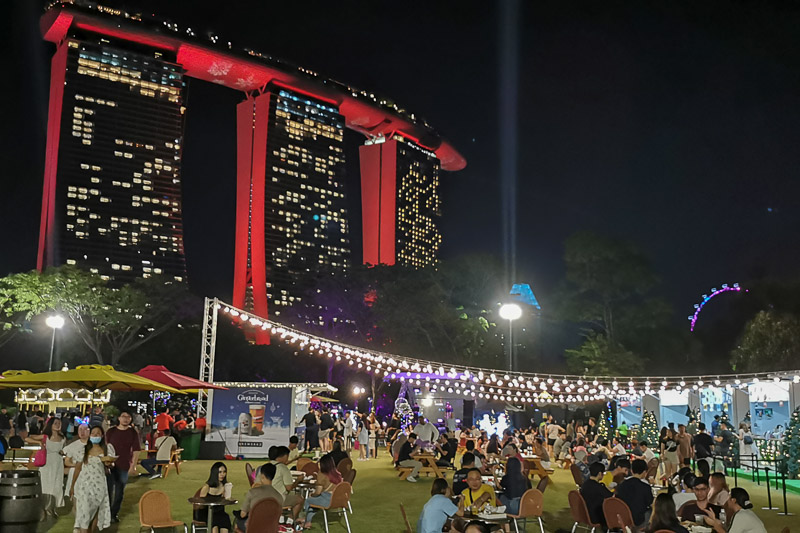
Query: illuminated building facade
(291, 204)
(112, 193)
(400, 203)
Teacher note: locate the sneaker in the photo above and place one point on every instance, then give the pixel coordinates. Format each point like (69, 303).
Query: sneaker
(155, 476)
(411, 479)
(115, 519)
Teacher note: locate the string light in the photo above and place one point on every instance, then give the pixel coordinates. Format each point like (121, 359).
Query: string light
(502, 385)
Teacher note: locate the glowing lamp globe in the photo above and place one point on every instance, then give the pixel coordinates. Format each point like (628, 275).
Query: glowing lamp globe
(510, 311)
(55, 321)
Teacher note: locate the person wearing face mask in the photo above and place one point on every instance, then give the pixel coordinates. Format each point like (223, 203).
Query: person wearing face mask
(90, 491)
(73, 454)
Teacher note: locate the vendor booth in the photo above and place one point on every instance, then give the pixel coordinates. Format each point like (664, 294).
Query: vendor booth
(250, 417)
(769, 408)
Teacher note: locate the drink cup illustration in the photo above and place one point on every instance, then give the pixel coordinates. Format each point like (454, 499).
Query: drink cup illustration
(257, 416)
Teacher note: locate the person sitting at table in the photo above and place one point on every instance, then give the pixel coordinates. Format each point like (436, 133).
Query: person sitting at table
(636, 492)
(618, 449)
(447, 452)
(741, 518)
(218, 486)
(493, 447)
(477, 495)
(338, 453)
(479, 459)
(514, 485)
(540, 450)
(164, 445)
(594, 493)
(262, 491)
(664, 517)
(460, 475)
(718, 492)
(617, 474)
(439, 508)
(294, 449)
(397, 444)
(602, 452)
(405, 460)
(477, 526)
(688, 510)
(283, 481)
(327, 479)
(684, 491)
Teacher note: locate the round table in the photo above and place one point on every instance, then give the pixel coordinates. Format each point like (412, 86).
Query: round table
(211, 503)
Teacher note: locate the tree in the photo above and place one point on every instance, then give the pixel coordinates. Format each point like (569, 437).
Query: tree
(598, 356)
(111, 321)
(605, 426)
(648, 430)
(791, 446)
(771, 341)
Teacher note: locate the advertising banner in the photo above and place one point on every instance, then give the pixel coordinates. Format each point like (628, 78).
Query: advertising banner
(251, 419)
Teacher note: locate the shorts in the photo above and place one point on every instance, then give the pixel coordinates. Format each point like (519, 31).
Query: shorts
(550, 442)
(323, 433)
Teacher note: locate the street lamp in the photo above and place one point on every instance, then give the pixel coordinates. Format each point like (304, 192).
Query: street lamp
(358, 391)
(510, 312)
(55, 322)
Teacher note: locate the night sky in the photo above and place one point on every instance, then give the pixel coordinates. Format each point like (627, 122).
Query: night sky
(672, 124)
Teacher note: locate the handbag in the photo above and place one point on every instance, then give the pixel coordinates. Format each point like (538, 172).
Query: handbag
(356, 444)
(40, 458)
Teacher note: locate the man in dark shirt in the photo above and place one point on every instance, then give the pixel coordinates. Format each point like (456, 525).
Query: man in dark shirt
(594, 493)
(724, 440)
(125, 440)
(446, 450)
(325, 427)
(703, 444)
(312, 431)
(5, 423)
(460, 476)
(636, 492)
(404, 457)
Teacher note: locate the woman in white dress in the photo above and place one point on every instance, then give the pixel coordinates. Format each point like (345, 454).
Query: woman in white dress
(747, 449)
(74, 453)
(52, 473)
(92, 508)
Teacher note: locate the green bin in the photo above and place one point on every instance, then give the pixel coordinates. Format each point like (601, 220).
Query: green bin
(190, 442)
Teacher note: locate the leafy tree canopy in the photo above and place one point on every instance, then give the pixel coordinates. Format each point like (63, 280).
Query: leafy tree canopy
(770, 341)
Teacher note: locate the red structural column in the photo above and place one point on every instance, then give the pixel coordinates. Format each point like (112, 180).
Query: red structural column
(250, 255)
(379, 202)
(58, 69)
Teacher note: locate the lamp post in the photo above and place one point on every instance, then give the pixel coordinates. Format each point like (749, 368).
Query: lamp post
(510, 312)
(55, 322)
(358, 391)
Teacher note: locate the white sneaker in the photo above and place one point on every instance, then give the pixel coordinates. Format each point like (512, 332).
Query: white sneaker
(411, 479)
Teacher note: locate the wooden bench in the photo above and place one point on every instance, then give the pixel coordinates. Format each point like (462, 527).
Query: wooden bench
(406, 470)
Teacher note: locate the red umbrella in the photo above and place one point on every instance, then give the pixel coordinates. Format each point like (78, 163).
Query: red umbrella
(161, 374)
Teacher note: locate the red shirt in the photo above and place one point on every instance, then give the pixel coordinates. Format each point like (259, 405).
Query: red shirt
(163, 421)
(125, 442)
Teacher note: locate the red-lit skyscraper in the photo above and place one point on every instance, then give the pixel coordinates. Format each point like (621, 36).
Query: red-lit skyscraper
(112, 201)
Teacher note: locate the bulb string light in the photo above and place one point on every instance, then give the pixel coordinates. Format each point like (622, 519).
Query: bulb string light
(495, 384)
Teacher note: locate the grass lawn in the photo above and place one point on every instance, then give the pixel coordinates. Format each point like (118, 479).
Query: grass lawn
(376, 500)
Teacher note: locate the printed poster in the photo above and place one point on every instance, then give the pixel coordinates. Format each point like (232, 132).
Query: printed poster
(250, 419)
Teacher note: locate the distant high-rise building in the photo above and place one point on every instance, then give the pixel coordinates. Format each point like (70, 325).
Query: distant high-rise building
(291, 154)
(400, 203)
(112, 192)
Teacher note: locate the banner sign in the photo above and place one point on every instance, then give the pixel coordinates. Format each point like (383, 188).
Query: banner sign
(250, 419)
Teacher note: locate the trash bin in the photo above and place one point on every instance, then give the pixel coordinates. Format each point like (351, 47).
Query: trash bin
(190, 442)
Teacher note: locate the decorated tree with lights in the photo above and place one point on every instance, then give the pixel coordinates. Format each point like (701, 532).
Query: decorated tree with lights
(648, 430)
(791, 445)
(605, 426)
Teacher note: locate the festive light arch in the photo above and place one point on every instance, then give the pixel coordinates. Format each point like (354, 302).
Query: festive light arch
(707, 298)
(471, 382)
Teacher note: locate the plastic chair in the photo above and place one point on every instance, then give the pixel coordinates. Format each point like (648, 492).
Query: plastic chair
(310, 468)
(350, 478)
(530, 506)
(617, 513)
(264, 516)
(577, 475)
(652, 468)
(345, 465)
(339, 501)
(302, 461)
(198, 525)
(580, 513)
(405, 518)
(542, 485)
(154, 511)
(251, 473)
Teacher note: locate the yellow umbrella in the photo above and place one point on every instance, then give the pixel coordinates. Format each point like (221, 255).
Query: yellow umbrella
(91, 377)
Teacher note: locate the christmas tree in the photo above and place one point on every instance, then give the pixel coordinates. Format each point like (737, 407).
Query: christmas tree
(791, 445)
(605, 426)
(649, 429)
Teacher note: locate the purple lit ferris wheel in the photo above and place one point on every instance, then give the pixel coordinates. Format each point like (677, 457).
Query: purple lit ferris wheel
(707, 297)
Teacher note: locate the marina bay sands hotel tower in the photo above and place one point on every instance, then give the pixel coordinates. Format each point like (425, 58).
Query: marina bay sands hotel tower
(112, 186)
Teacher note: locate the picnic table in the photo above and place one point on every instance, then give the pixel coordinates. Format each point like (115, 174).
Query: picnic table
(429, 465)
(533, 464)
